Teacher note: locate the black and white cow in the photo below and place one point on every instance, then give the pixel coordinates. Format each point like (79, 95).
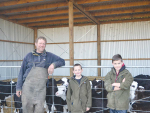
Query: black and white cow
(99, 100)
(62, 93)
(5, 91)
(140, 94)
(51, 98)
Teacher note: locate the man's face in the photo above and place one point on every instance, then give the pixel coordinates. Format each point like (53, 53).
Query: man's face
(77, 70)
(40, 46)
(117, 65)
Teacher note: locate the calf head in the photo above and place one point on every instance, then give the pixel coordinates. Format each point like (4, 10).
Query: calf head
(133, 89)
(98, 85)
(61, 92)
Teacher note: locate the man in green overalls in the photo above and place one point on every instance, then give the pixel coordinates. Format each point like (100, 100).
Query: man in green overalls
(33, 76)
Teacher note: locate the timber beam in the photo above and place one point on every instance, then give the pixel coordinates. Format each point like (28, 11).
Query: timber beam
(101, 19)
(106, 13)
(17, 2)
(87, 14)
(90, 23)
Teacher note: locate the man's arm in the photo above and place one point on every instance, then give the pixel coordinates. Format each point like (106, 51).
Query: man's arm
(56, 62)
(20, 78)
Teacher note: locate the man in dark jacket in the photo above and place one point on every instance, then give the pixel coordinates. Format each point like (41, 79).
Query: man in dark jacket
(33, 75)
(117, 84)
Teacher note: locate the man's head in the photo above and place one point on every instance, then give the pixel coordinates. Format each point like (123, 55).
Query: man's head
(77, 69)
(40, 44)
(117, 62)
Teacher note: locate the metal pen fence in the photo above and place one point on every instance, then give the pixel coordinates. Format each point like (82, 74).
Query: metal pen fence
(52, 76)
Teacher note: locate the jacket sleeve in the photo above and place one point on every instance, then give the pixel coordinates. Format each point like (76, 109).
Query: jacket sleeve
(57, 61)
(107, 83)
(20, 76)
(128, 81)
(89, 102)
(68, 99)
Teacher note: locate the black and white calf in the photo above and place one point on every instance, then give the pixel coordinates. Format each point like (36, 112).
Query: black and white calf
(5, 91)
(140, 94)
(99, 100)
(51, 98)
(62, 93)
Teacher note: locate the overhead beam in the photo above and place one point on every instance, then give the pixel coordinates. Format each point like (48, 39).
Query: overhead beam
(105, 22)
(108, 18)
(16, 2)
(91, 8)
(41, 7)
(87, 14)
(56, 22)
(127, 20)
(106, 13)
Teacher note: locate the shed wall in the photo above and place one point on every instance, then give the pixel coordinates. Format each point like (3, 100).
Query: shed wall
(13, 51)
(117, 31)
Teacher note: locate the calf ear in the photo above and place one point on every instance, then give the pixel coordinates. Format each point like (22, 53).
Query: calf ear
(94, 81)
(141, 89)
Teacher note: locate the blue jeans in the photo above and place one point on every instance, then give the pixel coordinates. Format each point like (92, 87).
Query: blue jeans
(117, 111)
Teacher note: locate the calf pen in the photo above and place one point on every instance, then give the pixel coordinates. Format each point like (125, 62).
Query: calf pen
(139, 104)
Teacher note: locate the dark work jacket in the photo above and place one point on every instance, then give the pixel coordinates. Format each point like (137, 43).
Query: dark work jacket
(44, 60)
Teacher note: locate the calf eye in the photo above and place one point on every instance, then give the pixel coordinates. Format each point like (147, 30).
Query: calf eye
(133, 86)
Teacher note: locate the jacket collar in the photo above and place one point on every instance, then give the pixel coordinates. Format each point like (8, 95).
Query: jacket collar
(122, 68)
(83, 79)
(35, 53)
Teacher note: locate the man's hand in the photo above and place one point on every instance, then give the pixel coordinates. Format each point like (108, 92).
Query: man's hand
(87, 109)
(116, 84)
(116, 88)
(51, 69)
(18, 93)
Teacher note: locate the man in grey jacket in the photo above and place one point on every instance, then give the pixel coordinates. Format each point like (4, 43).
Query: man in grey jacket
(33, 76)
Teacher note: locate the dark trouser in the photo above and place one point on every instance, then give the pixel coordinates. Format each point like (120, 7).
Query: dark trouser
(117, 111)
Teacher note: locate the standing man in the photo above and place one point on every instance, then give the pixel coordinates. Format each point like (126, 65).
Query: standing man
(33, 76)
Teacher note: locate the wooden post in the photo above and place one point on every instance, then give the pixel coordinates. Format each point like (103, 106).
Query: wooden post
(71, 39)
(35, 36)
(98, 50)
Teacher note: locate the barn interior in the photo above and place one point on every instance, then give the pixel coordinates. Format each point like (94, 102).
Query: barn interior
(88, 32)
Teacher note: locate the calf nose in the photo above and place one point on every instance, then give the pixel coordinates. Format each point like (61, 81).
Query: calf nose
(56, 93)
